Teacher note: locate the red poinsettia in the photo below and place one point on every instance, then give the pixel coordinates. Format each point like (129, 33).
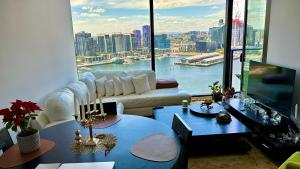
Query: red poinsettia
(18, 115)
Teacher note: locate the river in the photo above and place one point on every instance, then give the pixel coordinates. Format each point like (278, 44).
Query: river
(192, 78)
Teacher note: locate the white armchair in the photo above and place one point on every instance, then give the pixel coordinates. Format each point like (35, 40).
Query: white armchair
(59, 108)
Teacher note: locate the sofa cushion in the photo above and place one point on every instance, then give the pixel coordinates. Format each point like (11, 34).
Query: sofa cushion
(141, 84)
(117, 86)
(100, 86)
(109, 88)
(127, 85)
(60, 106)
(109, 74)
(91, 85)
(153, 98)
(151, 76)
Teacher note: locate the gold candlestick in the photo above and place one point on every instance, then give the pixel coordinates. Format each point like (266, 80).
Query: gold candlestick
(88, 123)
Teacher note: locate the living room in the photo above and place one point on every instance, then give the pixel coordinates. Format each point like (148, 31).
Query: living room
(144, 90)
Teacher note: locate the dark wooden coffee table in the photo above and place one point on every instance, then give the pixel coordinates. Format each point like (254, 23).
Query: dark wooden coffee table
(203, 128)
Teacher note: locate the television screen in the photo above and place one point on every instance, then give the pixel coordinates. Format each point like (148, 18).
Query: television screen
(273, 86)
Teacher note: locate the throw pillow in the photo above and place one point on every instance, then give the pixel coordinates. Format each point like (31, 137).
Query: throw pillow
(60, 106)
(117, 86)
(109, 88)
(127, 85)
(100, 86)
(141, 84)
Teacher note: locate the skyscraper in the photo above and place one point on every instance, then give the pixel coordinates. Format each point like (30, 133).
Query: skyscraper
(216, 35)
(237, 32)
(146, 36)
(118, 42)
(161, 41)
(109, 44)
(137, 38)
(127, 42)
(133, 41)
(102, 46)
(82, 42)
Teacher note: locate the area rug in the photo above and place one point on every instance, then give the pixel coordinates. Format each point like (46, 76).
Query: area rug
(253, 159)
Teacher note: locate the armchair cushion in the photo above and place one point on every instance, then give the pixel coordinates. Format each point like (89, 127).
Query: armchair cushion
(293, 165)
(291, 161)
(60, 106)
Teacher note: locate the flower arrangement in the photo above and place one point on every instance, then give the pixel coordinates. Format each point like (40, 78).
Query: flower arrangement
(18, 115)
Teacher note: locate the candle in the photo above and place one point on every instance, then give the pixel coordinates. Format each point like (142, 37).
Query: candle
(89, 105)
(75, 106)
(82, 110)
(101, 106)
(296, 111)
(95, 104)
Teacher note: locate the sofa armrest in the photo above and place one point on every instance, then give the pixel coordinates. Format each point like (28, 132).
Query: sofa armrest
(166, 83)
(40, 121)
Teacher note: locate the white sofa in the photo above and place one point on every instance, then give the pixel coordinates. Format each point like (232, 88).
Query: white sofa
(142, 104)
(60, 106)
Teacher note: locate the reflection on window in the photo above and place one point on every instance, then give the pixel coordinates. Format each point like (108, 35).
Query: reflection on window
(255, 35)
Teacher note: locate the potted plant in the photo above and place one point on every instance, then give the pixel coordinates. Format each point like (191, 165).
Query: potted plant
(216, 91)
(17, 118)
(229, 93)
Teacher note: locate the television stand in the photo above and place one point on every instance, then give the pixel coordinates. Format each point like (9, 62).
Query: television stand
(274, 137)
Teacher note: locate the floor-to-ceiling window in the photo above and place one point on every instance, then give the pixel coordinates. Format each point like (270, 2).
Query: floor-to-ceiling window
(189, 42)
(188, 38)
(111, 34)
(238, 25)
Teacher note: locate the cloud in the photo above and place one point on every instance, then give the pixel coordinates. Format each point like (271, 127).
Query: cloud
(144, 4)
(88, 11)
(78, 2)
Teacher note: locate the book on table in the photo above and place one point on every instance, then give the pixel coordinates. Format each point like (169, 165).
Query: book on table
(91, 165)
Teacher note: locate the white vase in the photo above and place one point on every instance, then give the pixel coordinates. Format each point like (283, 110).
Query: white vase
(30, 143)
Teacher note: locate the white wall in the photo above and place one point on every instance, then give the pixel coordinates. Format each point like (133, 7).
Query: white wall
(284, 38)
(36, 49)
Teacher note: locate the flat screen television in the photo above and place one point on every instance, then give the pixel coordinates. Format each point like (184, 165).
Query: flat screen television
(272, 86)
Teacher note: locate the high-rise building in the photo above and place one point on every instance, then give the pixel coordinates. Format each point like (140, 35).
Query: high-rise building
(109, 43)
(133, 41)
(127, 42)
(101, 41)
(237, 33)
(137, 39)
(250, 38)
(216, 35)
(82, 42)
(146, 36)
(118, 43)
(161, 41)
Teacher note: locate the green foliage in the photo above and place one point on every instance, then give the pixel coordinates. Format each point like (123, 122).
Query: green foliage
(215, 88)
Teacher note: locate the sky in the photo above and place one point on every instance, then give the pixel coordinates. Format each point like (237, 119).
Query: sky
(109, 16)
